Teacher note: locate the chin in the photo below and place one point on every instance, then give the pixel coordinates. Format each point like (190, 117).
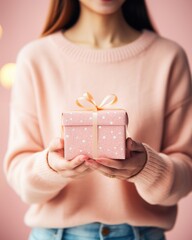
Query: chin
(103, 7)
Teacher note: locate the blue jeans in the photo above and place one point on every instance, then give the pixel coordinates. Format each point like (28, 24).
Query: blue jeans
(98, 231)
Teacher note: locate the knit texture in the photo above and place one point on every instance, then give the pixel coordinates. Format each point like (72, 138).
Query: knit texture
(152, 80)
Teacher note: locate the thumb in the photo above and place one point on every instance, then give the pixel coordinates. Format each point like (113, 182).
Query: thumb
(56, 144)
(134, 146)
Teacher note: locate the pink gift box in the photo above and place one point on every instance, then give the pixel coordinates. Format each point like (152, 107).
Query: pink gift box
(96, 134)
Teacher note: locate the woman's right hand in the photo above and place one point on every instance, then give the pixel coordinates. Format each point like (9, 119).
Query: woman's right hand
(74, 168)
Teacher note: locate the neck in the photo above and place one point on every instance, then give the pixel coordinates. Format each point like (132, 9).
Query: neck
(101, 31)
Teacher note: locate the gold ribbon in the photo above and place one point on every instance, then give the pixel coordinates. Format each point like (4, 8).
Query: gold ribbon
(108, 100)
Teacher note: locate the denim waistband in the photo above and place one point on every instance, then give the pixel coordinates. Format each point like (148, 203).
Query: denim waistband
(99, 231)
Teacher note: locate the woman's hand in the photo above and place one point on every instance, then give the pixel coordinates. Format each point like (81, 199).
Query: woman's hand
(136, 158)
(74, 168)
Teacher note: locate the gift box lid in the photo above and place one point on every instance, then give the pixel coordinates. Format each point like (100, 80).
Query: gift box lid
(104, 117)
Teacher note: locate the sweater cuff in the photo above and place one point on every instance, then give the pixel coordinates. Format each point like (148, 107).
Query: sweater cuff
(155, 168)
(44, 172)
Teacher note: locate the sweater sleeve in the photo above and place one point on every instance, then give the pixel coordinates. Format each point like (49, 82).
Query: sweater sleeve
(167, 175)
(25, 162)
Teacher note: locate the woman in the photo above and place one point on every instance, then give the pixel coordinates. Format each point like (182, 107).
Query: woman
(103, 46)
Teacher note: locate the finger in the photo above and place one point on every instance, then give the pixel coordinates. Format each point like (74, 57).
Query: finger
(128, 147)
(117, 175)
(73, 174)
(87, 171)
(56, 144)
(136, 146)
(133, 165)
(81, 168)
(96, 166)
(127, 164)
(75, 162)
(56, 161)
(133, 147)
(117, 164)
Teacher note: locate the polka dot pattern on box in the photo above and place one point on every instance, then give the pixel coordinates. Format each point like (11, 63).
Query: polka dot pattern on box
(79, 137)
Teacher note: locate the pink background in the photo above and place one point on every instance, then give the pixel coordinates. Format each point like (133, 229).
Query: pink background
(22, 22)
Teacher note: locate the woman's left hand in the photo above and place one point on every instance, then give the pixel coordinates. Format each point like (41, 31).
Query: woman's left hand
(136, 158)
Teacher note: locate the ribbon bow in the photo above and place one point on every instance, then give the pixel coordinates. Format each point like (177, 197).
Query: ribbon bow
(108, 100)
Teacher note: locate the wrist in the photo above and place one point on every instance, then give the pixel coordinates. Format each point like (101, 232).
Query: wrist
(141, 162)
(48, 163)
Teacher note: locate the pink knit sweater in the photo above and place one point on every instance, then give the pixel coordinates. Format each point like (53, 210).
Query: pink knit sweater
(151, 78)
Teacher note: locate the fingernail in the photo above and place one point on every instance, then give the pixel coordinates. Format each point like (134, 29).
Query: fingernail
(99, 160)
(90, 161)
(84, 158)
(130, 141)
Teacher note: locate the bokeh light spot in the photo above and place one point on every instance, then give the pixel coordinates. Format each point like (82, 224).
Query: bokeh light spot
(1, 31)
(7, 75)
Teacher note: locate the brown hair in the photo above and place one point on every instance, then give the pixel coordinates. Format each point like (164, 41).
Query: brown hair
(64, 13)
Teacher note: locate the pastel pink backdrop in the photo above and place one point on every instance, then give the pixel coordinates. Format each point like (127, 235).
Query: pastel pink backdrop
(22, 22)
